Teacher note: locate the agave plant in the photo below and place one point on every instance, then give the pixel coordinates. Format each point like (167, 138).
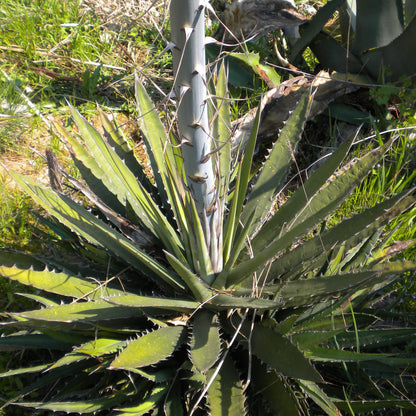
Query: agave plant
(375, 36)
(170, 303)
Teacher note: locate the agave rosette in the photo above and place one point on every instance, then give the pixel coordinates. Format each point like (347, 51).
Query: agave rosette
(142, 322)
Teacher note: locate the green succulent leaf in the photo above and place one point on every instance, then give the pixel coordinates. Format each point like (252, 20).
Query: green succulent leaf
(92, 311)
(153, 302)
(148, 404)
(317, 208)
(376, 26)
(332, 355)
(59, 283)
(371, 405)
(309, 339)
(121, 146)
(24, 370)
(21, 341)
(222, 301)
(239, 195)
(319, 397)
(94, 230)
(128, 188)
(310, 291)
(272, 177)
(205, 342)
(225, 394)
(279, 396)
(266, 72)
(159, 149)
(150, 348)
(79, 406)
(280, 353)
(352, 231)
(375, 338)
(389, 56)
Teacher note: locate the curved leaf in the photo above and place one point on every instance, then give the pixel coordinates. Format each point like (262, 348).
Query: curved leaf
(319, 397)
(91, 311)
(274, 172)
(273, 388)
(280, 353)
(225, 394)
(148, 404)
(376, 26)
(94, 230)
(150, 348)
(153, 302)
(59, 283)
(205, 342)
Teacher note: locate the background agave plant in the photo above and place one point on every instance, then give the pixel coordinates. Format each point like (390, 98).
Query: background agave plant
(373, 36)
(141, 315)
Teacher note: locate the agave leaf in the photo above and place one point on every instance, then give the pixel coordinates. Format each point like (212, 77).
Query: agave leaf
(205, 341)
(376, 26)
(25, 370)
(92, 311)
(91, 172)
(68, 359)
(47, 380)
(202, 258)
(309, 339)
(333, 355)
(298, 200)
(330, 323)
(238, 246)
(173, 401)
(239, 194)
(143, 302)
(273, 174)
(222, 301)
(79, 406)
(225, 394)
(334, 56)
(129, 189)
(318, 207)
(389, 56)
(348, 113)
(375, 338)
(319, 397)
(265, 72)
(21, 341)
(221, 132)
(101, 346)
(160, 152)
(59, 283)
(340, 185)
(352, 231)
(363, 407)
(150, 348)
(116, 140)
(145, 406)
(310, 291)
(314, 26)
(193, 282)
(95, 231)
(279, 397)
(279, 353)
(158, 376)
(40, 299)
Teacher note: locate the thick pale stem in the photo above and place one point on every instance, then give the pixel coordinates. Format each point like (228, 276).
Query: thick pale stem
(188, 35)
